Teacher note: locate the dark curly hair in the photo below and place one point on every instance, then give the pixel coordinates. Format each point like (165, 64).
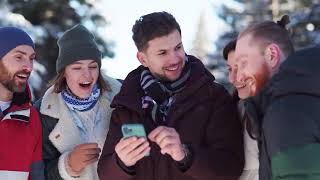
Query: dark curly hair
(151, 26)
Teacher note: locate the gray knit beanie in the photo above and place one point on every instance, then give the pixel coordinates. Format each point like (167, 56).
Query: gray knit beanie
(77, 44)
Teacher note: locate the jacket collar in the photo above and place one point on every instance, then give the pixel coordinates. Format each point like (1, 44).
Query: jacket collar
(131, 92)
(19, 109)
(51, 101)
(65, 134)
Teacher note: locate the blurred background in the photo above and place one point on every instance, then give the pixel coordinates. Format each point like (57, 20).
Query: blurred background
(207, 25)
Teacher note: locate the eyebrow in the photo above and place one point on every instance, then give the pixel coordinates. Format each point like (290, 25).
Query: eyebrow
(24, 53)
(77, 62)
(179, 44)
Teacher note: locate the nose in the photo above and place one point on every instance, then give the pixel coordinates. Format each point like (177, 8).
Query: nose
(176, 57)
(232, 77)
(28, 66)
(86, 73)
(240, 76)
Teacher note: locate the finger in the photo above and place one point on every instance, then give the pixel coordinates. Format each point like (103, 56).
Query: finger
(162, 135)
(89, 157)
(138, 150)
(124, 142)
(167, 149)
(87, 146)
(152, 135)
(91, 160)
(142, 154)
(131, 147)
(92, 151)
(168, 140)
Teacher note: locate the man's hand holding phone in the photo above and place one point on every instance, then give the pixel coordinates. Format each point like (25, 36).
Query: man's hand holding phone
(134, 146)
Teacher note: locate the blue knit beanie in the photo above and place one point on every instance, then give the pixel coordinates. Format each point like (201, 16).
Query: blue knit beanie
(11, 37)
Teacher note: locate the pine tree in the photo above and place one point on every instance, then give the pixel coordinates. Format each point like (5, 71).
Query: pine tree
(237, 14)
(50, 19)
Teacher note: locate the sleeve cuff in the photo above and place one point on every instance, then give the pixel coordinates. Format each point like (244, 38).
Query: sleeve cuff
(64, 170)
(186, 162)
(129, 170)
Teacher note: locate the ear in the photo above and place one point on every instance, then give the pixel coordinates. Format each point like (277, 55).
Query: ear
(142, 58)
(272, 55)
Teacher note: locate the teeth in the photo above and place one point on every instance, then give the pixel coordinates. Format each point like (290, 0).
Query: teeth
(172, 68)
(22, 75)
(239, 86)
(86, 83)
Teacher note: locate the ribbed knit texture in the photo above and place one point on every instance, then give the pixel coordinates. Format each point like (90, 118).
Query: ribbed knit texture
(77, 44)
(11, 37)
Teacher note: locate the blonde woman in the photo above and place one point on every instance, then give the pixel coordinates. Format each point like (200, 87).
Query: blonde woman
(75, 111)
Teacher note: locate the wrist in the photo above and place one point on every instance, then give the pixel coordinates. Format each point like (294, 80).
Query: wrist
(185, 151)
(182, 153)
(128, 169)
(186, 162)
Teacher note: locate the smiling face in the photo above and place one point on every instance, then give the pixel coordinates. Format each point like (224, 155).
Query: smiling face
(81, 76)
(165, 56)
(233, 69)
(253, 67)
(15, 68)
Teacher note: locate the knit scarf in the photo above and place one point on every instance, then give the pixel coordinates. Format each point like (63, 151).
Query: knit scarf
(159, 95)
(79, 104)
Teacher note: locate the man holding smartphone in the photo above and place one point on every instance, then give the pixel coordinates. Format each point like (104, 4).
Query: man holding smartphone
(190, 121)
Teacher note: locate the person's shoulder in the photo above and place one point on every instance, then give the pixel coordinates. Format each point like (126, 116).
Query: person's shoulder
(37, 104)
(309, 51)
(134, 74)
(34, 118)
(132, 80)
(217, 90)
(113, 83)
(48, 96)
(114, 87)
(303, 57)
(220, 88)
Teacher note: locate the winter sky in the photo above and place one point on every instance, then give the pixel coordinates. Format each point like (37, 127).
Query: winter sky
(122, 14)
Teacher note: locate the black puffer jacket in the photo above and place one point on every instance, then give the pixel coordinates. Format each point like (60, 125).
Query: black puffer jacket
(288, 112)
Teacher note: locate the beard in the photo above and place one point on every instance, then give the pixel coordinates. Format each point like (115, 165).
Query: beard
(161, 77)
(7, 79)
(262, 77)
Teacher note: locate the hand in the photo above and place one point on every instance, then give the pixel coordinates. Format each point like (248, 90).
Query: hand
(131, 150)
(169, 141)
(83, 155)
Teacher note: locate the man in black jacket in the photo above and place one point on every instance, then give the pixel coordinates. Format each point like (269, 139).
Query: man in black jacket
(285, 103)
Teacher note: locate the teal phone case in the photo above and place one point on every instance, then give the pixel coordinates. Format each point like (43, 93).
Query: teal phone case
(129, 130)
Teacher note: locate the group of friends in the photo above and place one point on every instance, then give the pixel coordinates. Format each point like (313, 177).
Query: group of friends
(268, 128)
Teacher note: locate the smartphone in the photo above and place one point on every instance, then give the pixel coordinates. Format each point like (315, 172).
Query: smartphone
(129, 130)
